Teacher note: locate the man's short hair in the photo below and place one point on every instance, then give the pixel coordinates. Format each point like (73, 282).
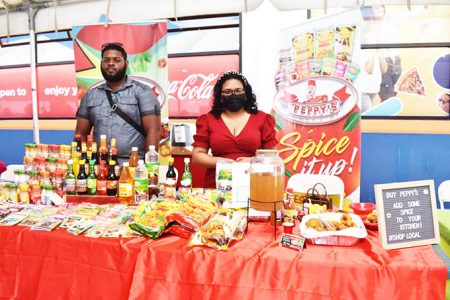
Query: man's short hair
(114, 46)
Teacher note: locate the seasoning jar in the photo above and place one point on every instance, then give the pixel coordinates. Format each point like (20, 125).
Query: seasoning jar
(24, 196)
(266, 181)
(51, 164)
(13, 196)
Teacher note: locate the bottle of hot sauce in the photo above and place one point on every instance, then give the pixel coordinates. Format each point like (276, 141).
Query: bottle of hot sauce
(103, 150)
(111, 184)
(102, 179)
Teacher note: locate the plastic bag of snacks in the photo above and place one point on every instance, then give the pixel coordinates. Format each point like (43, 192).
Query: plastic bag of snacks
(148, 221)
(195, 212)
(224, 226)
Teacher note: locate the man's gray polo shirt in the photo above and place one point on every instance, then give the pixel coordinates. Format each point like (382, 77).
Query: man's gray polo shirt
(135, 99)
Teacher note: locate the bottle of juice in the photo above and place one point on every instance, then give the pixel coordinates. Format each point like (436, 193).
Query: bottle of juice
(91, 179)
(81, 183)
(133, 161)
(125, 185)
(102, 179)
(111, 184)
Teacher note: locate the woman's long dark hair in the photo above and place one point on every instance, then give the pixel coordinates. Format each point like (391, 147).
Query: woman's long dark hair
(249, 105)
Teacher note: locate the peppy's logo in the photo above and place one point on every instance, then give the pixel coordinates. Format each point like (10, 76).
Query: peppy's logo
(316, 101)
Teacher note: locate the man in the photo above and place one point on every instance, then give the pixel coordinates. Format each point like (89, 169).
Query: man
(134, 98)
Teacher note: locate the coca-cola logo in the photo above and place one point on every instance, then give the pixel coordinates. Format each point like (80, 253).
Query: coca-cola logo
(195, 86)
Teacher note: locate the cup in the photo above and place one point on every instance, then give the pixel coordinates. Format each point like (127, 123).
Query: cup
(288, 227)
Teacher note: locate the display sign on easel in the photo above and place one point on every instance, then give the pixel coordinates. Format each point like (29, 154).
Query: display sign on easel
(407, 214)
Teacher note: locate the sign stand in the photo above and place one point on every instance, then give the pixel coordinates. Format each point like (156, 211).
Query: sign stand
(407, 214)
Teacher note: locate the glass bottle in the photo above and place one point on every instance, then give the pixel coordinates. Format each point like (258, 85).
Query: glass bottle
(171, 181)
(91, 181)
(113, 150)
(125, 185)
(77, 139)
(81, 182)
(186, 178)
(70, 187)
(266, 180)
(102, 179)
(103, 150)
(133, 161)
(111, 184)
(75, 160)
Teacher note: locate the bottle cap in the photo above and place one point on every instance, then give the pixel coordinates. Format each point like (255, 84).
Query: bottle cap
(81, 161)
(186, 160)
(126, 164)
(112, 162)
(70, 162)
(92, 162)
(134, 148)
(151, 147)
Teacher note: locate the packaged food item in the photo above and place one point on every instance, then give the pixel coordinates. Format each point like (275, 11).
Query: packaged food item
(224, 226)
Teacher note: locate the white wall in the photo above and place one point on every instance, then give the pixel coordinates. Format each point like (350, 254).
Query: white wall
(260, 44)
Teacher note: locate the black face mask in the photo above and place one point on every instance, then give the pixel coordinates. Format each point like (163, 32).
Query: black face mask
(234, 102)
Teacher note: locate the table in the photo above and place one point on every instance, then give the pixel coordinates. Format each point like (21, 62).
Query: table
(58, 265)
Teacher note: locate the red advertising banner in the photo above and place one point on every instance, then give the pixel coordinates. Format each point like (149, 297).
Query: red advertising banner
(57, 91)
(15, 93)
(317, 107)
(192, 81)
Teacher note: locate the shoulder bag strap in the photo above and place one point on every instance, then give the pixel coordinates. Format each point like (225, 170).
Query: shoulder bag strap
(115, 108)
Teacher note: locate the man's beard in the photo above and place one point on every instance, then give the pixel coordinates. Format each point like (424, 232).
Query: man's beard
(116, 77)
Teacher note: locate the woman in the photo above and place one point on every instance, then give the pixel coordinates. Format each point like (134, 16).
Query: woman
(234, 128)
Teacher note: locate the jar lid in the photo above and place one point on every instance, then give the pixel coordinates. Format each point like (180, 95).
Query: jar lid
(267, 152)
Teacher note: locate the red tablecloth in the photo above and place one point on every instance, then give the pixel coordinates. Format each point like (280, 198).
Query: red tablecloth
(58, 265)
(258, 268)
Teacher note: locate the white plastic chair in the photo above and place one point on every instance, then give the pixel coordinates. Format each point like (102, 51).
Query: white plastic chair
(444, 193)
(302, 182)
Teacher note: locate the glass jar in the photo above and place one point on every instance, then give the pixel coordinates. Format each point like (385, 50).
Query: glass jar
(13, 195)
(266, 181)
(51, 164)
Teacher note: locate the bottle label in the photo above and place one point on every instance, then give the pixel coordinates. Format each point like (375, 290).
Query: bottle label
(186, 182)
(111, 184)
(125, 189)
(171, 181)
(81, 185)
(91, 183)
(140, 190)
(70, 185)
(101, 185)
(152, 167)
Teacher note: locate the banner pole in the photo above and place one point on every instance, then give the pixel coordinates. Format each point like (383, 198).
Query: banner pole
(31, 15)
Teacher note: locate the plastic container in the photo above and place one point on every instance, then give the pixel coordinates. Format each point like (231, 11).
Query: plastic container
(140, 183)
(362, 208)
(152, 165)
(266, 181)
(347, 237)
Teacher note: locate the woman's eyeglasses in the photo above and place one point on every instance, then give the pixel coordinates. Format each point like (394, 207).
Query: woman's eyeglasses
(112, 44)
(229, 92)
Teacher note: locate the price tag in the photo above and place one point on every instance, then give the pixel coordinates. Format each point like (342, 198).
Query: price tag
(292, 241)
